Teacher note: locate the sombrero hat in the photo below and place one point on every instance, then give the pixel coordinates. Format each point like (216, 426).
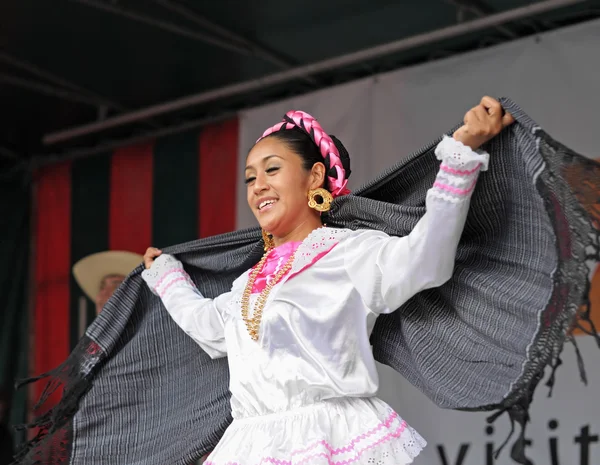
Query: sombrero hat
(90, 270)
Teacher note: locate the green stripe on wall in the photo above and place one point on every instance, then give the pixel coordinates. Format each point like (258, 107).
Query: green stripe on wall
(175, 196)
(89, 224)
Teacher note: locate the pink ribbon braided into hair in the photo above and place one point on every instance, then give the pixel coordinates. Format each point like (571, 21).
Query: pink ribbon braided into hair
(300, 119)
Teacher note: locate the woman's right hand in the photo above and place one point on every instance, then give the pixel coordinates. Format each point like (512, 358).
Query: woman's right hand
(150, 255)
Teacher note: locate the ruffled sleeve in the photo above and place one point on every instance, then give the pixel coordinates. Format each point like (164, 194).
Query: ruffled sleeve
(387, 271)
(199, 317)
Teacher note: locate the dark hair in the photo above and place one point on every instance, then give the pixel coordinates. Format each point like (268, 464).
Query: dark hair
(299, 142)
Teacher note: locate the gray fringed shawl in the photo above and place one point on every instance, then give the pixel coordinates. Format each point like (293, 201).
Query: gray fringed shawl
(139, 391)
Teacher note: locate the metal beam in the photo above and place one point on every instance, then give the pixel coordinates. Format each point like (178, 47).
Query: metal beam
(47, 159)
(47, 89)
(480, 9)
(103, 102)
(256, 49)
(166, 26)
(8, 153)
(14, 168)
(202, 21)
(307, 70)
(43, 74)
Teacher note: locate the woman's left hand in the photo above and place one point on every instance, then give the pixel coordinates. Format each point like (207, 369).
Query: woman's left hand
(482, 123)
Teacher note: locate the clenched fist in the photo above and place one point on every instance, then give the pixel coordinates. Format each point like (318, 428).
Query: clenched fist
(482, 123)
(150, 255)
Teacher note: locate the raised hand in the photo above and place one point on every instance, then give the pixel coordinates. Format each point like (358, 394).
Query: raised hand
(150, 256)
(482, 123)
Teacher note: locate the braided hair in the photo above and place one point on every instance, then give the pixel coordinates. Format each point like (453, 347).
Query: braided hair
(300, 142)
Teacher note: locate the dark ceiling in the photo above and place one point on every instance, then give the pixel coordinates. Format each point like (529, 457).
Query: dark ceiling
(67, 63)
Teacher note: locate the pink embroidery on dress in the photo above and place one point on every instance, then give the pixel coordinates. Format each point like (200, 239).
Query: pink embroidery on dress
(359, 453)
(396, 433)
(385, 424)
(450, 170)
(454, 190)
(276, 259)
(176, 280)
(164, 276)
(315, 259)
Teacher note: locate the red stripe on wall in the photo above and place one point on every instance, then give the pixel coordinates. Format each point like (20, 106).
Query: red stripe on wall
(130, 210)
(52, 272)
(218, 178)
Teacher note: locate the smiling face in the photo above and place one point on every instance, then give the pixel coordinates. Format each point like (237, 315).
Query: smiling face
(277, 189)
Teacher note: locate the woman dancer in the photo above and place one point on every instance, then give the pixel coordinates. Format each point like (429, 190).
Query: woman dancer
(295, 327)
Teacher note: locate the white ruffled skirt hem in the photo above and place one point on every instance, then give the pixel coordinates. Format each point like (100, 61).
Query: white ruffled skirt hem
(336, 432)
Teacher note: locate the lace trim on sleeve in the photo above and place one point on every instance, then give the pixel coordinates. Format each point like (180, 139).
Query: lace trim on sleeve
(166, 273)
(459, 170)
(460, 159)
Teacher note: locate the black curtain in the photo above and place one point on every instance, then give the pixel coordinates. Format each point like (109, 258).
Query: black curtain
(15, 197)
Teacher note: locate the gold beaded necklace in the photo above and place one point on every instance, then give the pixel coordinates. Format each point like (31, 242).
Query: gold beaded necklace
(253, 324)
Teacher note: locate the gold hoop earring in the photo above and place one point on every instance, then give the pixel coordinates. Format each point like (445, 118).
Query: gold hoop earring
(320, 199)
(268, 240)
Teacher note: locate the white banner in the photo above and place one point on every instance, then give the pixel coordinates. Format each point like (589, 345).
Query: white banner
(555, 79)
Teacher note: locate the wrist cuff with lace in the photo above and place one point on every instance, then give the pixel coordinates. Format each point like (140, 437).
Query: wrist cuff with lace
(459, 170)
(166, 273)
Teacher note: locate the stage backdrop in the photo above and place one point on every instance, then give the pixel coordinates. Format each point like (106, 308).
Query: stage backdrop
(15, 189)
(158, 193)
(555, 78)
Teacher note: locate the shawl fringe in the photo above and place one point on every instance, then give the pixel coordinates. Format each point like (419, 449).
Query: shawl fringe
(51, 444)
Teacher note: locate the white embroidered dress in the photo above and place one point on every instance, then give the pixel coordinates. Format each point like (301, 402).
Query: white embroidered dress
(304, 393)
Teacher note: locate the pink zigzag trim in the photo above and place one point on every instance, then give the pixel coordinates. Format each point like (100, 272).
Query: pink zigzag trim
(315, 259)
(164, 291)
(392, 435)
(450, 170)
(454, 190)
(164, 276)
(349, 447)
